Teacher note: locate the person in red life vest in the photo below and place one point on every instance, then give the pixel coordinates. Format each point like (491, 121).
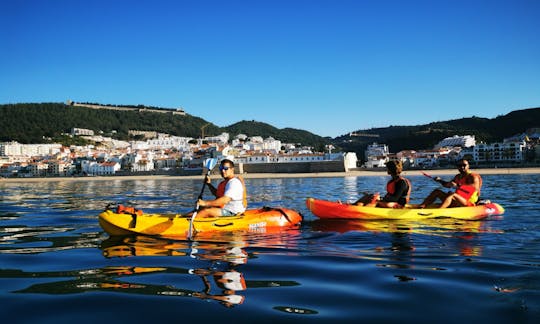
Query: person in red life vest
(467, 193)
(398, 190)
(230, 194)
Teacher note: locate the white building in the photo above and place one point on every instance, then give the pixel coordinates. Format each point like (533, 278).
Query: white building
(60, 168)
(104, 168)
(500, 152)
(461, 141)
(138, 162)
(278, 158)
(427, 158)
(220, 139)
(350, 159)
(164, 163)
(376, 150)
(376, 155)
(376, 162)
(255, 144)
(81, 131)
(17, 149)
(165, 141)
(38, 169)
(271, 145)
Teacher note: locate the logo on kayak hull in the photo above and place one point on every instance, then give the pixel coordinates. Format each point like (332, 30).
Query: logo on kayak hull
(258, 227)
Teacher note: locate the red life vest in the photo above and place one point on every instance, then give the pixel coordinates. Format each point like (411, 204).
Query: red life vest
(465, 191)
(220, 191)
(391, 187)
(466, 187)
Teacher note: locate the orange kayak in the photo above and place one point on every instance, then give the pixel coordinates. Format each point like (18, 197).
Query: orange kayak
(325, 209)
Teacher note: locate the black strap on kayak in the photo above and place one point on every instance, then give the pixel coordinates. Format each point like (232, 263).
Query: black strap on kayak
(223, 225)
(266, 208)
(133, 222)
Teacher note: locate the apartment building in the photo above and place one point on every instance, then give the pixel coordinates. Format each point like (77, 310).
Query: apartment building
(500, 152)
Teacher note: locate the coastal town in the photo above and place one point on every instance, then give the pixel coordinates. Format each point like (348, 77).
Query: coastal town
(159, 153)
(156, 154)
(518, 150)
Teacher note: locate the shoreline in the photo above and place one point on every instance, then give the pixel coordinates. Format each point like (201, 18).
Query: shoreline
(497, 171)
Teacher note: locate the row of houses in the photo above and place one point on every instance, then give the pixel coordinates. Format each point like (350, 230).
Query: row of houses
(157, 154)
(518, 149)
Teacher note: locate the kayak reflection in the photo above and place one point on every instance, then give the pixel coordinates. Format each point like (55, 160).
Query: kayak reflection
(223, 258)
(404, 233)
(430, 226)
(222, 280)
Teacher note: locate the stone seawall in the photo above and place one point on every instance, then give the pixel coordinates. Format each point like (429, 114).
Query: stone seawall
(292, 167)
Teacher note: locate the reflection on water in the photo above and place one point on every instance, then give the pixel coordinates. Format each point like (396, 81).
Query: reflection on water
(51, 244)
(221, 279)
(429, 226)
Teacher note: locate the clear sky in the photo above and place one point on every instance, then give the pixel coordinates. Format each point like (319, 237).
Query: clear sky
(326, 66)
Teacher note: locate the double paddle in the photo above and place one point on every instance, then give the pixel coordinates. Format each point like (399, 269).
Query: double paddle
(436, 179)
(209, 164)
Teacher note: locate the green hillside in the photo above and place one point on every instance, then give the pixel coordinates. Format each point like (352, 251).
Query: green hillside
(421, 137)
(45, 122)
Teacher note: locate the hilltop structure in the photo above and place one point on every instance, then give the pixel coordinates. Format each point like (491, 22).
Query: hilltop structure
(139, 108)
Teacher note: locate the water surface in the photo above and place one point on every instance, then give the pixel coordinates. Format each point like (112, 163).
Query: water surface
(57, 265)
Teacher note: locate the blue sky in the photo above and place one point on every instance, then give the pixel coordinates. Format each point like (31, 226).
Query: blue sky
(326, 66)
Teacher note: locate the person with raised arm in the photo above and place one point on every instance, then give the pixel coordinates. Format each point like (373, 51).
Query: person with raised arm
(467, 186)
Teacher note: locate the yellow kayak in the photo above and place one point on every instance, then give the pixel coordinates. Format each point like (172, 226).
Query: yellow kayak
(325, 209)
(262, 220)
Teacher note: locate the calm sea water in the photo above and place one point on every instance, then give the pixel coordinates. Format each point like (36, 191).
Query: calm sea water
(57, 265)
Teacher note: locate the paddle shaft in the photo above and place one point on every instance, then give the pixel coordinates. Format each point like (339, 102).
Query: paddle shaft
(209, 166)
(436, 179)
(190, 232)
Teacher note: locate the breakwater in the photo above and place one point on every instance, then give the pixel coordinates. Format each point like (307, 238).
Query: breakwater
(292, 167)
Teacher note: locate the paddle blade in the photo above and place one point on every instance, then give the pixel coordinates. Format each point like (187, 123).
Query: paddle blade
(210, 163)
(427, 175)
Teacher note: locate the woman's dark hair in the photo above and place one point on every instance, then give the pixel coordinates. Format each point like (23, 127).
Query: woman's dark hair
(395, 167)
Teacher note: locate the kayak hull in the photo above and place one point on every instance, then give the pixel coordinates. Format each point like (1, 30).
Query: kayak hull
(260, 220)
(325, 209)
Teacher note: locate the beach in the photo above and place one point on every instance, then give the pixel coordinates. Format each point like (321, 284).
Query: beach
(362, 173)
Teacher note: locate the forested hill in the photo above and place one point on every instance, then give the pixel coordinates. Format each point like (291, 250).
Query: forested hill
(426, 136)
(30, 123)
(45, 122)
